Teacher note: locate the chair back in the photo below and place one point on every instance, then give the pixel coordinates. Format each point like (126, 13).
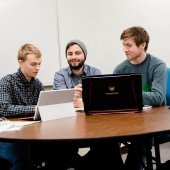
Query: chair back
(168, 87)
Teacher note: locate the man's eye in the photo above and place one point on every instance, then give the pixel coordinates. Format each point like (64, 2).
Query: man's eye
(78, 52)
(33, 64)
(128, 45)
(69, 53)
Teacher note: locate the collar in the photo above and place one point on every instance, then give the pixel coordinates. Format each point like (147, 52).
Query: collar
(23, 79)
(84, 71)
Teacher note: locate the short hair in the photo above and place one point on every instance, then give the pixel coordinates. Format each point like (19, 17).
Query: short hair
(139, 34)
(28, 49)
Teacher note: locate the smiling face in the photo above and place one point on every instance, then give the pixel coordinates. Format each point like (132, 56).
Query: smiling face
(75, 57)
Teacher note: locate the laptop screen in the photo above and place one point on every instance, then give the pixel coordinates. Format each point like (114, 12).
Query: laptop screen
(112, 93)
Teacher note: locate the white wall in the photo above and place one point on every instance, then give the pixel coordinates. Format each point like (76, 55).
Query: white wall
(32, 21)
(98, 23)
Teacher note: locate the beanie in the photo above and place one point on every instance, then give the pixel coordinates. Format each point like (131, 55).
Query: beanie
(79, 43)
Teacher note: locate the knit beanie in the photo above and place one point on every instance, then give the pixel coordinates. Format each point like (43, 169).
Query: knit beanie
(79, 43)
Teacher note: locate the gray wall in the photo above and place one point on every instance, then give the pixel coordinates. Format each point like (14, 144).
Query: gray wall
(99, 23)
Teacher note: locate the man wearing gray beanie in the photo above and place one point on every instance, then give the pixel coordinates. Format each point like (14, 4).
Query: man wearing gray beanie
(103, 154)
(78, 42)
(70, 76)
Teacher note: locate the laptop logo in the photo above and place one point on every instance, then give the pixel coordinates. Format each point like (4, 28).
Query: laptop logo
(111, 91)
(111, 88)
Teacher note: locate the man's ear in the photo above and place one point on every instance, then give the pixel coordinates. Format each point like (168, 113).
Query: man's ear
(20, 62)
(143, 45)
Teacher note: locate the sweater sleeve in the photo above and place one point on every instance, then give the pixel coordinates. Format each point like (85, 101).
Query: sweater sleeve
(157, 95)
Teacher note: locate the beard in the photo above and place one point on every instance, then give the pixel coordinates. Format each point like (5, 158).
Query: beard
(76, 66)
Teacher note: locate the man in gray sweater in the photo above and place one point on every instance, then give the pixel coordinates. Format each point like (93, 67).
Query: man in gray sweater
(154, 77)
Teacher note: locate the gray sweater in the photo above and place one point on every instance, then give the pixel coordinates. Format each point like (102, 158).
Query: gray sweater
(154, 78)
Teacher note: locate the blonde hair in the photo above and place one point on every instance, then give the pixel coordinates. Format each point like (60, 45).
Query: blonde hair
(28, 49)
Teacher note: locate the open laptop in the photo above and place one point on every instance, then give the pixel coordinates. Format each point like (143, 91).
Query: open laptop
(112, 93)
(55, 104)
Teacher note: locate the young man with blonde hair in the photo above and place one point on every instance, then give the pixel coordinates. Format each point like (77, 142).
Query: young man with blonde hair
(19, 94)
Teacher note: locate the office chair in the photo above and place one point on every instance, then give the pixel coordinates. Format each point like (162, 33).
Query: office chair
(168, 87)
(162, 138)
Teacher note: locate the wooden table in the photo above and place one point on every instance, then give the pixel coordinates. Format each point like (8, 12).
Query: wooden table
(113, 126)
(83, 129)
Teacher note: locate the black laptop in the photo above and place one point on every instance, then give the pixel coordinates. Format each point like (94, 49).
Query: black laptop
(112, 93)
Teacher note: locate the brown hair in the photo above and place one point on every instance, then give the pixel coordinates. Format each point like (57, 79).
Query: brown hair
(139, 34)
(28, 49)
